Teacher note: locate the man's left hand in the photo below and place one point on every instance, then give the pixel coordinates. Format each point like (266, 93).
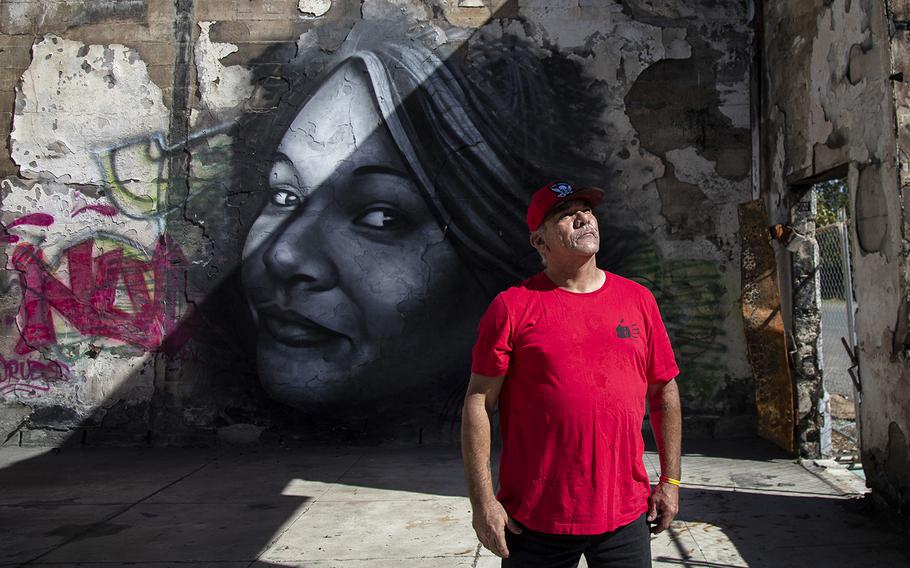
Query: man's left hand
(663, 506)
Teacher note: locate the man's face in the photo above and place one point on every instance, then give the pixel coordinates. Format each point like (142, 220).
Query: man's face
(568, 230)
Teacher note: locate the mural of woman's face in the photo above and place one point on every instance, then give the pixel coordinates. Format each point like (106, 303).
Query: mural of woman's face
(357, 294)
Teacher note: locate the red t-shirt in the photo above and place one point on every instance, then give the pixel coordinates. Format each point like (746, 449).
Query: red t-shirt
(577, 367)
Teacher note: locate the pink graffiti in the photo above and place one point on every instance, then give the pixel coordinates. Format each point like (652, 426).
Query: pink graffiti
(30, 375)
(107, 210)
(88, 302)
(39, 219)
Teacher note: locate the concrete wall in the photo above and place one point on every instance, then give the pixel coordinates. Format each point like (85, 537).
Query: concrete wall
(886, 419)
(829, 103)
(145, 209)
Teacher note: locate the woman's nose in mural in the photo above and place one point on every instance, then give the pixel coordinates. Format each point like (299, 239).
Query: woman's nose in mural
(297, 258)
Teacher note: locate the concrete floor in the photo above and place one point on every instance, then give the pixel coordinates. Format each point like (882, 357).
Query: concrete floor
(743, 505)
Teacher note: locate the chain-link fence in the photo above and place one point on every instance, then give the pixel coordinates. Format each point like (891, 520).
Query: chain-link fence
(837, 307)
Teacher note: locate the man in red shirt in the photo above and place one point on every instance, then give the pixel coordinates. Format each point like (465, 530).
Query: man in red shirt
(569, 356)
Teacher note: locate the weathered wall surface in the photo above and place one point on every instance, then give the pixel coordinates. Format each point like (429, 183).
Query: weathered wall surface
(236, 217)
(830, 104)
(886, 448)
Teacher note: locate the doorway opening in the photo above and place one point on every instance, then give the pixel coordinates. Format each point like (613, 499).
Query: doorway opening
(823, 306)
(838, 308)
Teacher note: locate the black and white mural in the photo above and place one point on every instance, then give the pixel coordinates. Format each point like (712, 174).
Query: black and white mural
(299, 235)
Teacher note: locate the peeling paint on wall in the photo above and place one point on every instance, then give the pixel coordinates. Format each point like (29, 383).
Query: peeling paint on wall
(314, 8)
(76, 98)
(223, 89)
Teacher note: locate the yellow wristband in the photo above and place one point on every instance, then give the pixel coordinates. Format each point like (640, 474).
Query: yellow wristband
(670, 480)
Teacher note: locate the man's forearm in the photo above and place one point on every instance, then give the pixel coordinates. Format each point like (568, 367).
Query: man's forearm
(666, 422)
(475, 449)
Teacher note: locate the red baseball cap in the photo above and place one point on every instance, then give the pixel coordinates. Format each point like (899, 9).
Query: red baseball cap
(555, 192)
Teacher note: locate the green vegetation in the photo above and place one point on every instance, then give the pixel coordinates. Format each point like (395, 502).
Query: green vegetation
(832, 195)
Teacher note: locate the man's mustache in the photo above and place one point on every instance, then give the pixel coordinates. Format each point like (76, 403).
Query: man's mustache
(587, 230)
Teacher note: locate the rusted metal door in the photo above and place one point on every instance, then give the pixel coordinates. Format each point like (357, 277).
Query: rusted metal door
(765, 336)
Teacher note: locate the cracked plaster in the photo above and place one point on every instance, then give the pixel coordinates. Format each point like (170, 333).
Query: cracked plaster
(314, 8)
(223, 89)
(61, 117)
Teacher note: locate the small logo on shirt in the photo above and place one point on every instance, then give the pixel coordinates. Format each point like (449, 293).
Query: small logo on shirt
(627, 331)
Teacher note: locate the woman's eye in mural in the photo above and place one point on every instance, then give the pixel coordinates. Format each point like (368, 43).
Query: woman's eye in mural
(284, 198)
(381, 217)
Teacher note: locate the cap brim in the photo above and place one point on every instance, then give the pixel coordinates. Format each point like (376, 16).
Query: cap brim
(594, 195)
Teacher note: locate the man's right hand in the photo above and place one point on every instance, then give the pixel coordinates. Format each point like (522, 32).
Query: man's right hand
(490, 523)
(490, 518)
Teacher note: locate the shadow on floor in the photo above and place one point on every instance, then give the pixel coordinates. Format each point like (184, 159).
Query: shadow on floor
(91, 505)
(269, 507)
(750, 528)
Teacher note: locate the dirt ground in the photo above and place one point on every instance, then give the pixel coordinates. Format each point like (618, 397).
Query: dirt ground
(843, 423)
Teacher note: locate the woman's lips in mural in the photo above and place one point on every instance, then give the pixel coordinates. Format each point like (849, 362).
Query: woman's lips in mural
(292, 328)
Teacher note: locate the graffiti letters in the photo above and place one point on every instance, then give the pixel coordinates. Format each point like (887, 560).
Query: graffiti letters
(92, 301)
(100, 267)
(30, 375)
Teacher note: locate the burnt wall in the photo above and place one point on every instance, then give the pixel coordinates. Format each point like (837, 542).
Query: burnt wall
(244, 219)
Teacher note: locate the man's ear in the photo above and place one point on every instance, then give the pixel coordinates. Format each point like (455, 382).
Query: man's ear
(537, 240)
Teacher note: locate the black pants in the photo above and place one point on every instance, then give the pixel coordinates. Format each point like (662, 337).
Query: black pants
(628, 546)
